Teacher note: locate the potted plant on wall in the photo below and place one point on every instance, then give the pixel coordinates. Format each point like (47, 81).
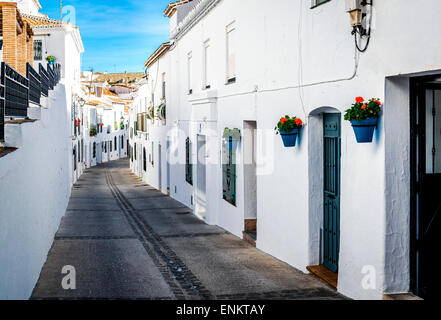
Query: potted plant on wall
(364, 118)
(51, 60)
(93, 132)
(151, 113)
(161, 111)
(232, 137)
(289, 129)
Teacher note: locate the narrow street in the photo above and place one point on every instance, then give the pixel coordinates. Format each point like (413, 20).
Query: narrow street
(126, 240)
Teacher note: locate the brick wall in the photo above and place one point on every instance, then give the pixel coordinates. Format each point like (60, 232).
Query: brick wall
(18, 41)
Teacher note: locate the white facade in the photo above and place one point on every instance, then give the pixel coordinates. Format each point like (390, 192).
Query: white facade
(290, 58)
(36, 179)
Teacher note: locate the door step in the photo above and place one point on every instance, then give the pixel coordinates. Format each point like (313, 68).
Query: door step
(250, 237)
(324, 274)
(402, 296)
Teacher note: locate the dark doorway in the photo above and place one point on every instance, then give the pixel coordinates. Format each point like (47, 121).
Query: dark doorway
(426, 185)
(331, 221)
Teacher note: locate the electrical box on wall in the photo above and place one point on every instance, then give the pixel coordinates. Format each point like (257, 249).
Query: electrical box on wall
(352, 5)
(355, 13)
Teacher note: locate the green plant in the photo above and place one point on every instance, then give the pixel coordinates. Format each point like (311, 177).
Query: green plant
(93, 132)
(362, 110)
(161, 110)
(116, 126)
(121, 125)
(50, 58)
(288, 124)
(151, 113)
(231, 133)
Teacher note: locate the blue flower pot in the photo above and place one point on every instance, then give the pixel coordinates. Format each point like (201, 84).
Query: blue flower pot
(51, 63)
(364, 130)
(289, 138)
(232, 143)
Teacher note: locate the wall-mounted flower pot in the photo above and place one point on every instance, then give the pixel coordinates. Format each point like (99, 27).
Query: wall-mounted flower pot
(232, 143)
(289, 138)
(364, 130)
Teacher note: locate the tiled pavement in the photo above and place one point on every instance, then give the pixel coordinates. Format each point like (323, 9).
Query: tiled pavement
(128, 241)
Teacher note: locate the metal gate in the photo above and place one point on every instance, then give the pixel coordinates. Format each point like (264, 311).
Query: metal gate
(331, 220)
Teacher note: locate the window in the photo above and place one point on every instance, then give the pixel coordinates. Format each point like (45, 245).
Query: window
(152, 159)
(94, 150)
(111, 146)
(116, 145)
(231, 53)
(122, 142)
(207, 61)
(144, 159)
(75, 158)
(229, 174)
(189, 72)
(188, 165)
(135, 151)
(163, 85)
(315, 3)
(38, 50)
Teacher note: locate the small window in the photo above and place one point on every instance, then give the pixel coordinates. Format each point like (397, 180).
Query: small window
(38, 50)
(116, 145)
(163, 85)
(111, 146)
(144, 159)
(207, 66)
(94, 150)
(189, 71)
(315, 3)
(231, 53)
(135, 151)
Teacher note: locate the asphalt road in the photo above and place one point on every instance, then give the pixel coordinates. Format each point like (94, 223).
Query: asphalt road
(126, 240)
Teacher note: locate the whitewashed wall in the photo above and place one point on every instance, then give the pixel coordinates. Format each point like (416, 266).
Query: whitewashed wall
(283, 45)
(34, 193)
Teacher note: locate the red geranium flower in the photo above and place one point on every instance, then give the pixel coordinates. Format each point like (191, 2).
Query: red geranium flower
(299, 122)
(283, 120)
(364, 107)
(359, 99)
(378, 102)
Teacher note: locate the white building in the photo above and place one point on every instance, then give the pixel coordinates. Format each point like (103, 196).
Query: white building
(242, 64)
(105, 124)
(36, 177)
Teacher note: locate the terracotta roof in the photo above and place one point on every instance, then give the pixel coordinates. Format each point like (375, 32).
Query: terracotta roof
(41, 21)
(116, 100)
(120, 78)
(96, 103)
(163, 48)
(171, 8)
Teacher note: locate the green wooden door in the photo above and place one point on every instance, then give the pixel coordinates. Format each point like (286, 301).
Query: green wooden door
(332, 147)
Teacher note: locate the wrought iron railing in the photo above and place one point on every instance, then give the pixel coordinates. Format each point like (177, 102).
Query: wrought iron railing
(34, 84)
(16, 91)
(50, 71)
(2, 112)
(44, 77)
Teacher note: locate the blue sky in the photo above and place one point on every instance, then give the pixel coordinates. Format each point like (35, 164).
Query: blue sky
(118, 35)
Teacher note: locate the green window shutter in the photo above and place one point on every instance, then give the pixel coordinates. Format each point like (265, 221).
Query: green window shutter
(229, 174)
